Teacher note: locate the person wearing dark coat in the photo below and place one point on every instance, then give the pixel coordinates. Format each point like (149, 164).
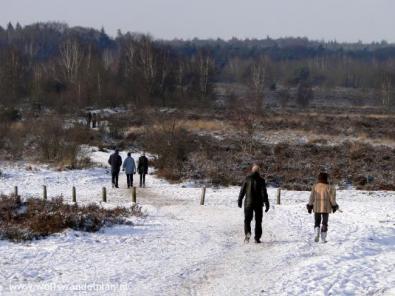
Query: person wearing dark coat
(255, 193)
(115, 161)
(142, 169)
(94, 120)
(89, 119)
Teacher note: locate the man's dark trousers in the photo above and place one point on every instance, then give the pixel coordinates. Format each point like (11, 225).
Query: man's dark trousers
(114, 175)
(129, 179)
(248, 214)
(142, 180)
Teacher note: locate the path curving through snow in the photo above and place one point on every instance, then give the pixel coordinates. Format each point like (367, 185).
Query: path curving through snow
(182, 248)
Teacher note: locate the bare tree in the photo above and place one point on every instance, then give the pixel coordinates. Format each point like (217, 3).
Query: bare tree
(258, 76)
(235, 67)
(70, 65)
(386, 90)
(108, 59)
(130, 58)
(12, 69)
(205, 65)
(180, 74)
(147, 62)
(164, 71)
(38, 74)
(70, 60)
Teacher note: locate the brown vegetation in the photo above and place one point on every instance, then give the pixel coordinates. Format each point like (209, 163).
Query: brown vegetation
(296, 166)
(35, 218)
(172, 144)
(46, 139)
(348, 147)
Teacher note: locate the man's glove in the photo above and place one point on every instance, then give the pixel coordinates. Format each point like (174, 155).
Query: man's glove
(335, 208)
(240, 203)
(267, 207)
(309, 208)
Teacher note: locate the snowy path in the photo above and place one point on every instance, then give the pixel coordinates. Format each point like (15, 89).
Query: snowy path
(182, 248)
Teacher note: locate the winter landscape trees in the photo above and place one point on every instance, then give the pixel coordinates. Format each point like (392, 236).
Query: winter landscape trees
(276, 98)
(56, 64)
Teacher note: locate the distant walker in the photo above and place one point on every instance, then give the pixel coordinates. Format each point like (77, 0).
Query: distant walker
(142, 169)
(115, 161)
(129, 167)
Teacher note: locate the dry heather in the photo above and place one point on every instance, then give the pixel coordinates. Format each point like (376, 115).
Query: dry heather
(357, 149)
(331, 124)
(35, 218)
(205, 125)
(46, 139)
(296, 166)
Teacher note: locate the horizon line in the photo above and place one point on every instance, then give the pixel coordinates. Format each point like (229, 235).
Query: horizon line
(186, 39)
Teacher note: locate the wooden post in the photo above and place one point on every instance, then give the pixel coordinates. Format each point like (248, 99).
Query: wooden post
(203, 196)
(104, 193)
(16, 191)
(279, 196)
(44, 192)
(74, 194)
(134, 194)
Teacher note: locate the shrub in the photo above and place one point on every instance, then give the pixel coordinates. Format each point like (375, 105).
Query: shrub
(36, 218)
(172, 144)
(10, 114)
(304, 94)
(61, 145)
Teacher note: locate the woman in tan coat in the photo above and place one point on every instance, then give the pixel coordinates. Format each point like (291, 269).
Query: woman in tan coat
(322, 202)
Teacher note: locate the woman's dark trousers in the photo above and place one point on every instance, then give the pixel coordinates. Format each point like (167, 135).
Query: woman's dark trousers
(317, 221)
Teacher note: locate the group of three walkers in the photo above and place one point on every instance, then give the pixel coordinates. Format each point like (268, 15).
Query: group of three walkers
(130, 168)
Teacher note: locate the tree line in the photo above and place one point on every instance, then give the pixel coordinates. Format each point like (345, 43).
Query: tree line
(52, 64)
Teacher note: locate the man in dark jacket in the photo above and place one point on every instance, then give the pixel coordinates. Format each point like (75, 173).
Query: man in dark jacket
(115, 161)
(254, 190)
(142, 169)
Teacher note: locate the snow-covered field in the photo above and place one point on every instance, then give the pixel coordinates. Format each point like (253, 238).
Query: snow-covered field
(182, 248)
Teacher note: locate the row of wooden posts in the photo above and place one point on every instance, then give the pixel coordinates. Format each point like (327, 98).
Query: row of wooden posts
(74, 193)
(134, 194)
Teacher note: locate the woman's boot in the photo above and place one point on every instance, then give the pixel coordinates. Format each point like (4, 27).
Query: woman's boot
(323, 236)
(316, 234)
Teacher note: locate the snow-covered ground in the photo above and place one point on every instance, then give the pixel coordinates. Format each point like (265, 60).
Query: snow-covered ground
(182, 248)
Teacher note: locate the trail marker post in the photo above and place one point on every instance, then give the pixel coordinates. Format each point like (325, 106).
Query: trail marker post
(44, 192)
(279, 196)
(74, 194)
(134, 194)
(203, 196)
(104, 194)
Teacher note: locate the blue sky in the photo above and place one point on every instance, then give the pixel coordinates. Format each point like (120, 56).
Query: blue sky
(343, 20)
